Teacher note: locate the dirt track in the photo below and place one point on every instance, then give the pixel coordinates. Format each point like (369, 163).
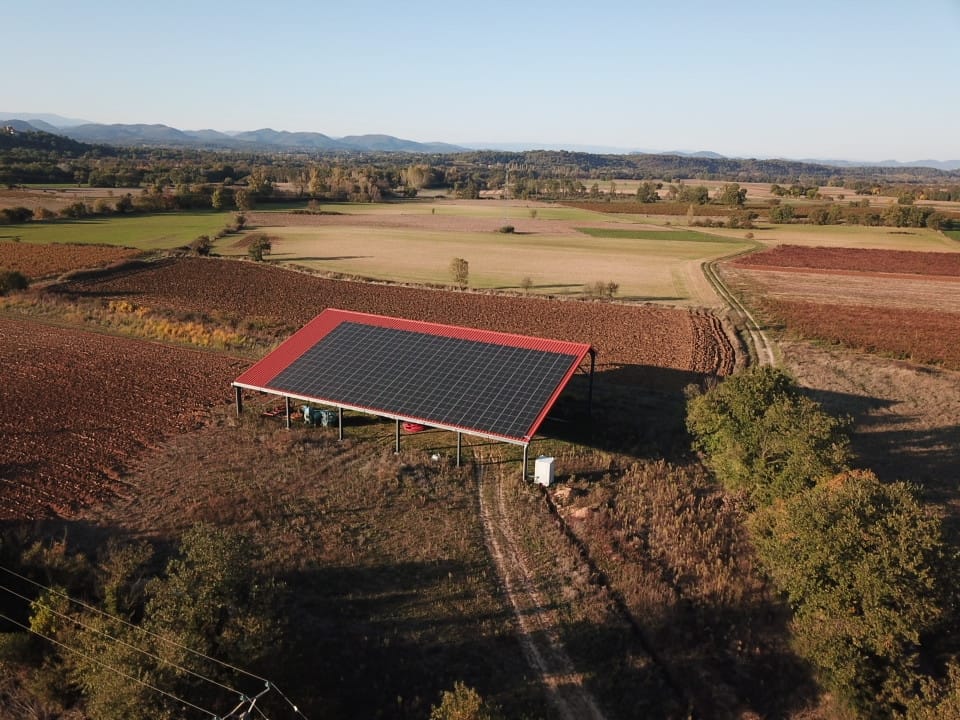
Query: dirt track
(536, 623)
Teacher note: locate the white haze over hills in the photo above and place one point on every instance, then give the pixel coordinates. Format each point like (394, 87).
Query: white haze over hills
(163, 134)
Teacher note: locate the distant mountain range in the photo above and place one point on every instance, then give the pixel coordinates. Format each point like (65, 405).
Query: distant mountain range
(269, 140)
(265, 139)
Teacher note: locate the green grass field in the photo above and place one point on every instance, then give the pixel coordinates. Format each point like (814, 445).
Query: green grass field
(952, 234)
(663, 235)
(145, 232)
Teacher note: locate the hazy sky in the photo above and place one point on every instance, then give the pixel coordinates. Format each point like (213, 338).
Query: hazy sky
(853, 79)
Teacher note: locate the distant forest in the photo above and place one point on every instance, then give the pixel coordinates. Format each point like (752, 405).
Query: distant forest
(39, 157)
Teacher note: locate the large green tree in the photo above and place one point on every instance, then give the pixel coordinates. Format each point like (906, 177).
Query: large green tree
(732, 194)
(864, 566)
(141, 644)
(761, 435)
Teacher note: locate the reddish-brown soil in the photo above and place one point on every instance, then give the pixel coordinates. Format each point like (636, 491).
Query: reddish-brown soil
(855, 260)
(39, 261)
(76, 406)
(624, 335)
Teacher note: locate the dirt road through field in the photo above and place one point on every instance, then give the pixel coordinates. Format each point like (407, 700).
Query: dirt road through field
(537, 632)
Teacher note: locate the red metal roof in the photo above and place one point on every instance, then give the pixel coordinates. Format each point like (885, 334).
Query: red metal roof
(262, 375)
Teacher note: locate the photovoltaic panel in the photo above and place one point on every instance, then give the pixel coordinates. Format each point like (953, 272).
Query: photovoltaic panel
(490, 383)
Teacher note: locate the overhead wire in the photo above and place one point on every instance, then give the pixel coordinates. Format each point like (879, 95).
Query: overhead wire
(161, 638)
(129, 645)
(109, 667)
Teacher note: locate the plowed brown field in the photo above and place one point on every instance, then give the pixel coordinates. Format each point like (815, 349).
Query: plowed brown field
(855, 260)
(38, 261)
(78, 407)
(624, 335)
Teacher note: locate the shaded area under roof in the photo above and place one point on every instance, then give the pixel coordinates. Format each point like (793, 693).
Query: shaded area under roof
(486, 383)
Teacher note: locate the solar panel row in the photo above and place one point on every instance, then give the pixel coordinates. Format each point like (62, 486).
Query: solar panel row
(472, 384)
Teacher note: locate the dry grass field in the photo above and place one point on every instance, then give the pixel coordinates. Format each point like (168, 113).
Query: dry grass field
(415, 243)
(56, 198)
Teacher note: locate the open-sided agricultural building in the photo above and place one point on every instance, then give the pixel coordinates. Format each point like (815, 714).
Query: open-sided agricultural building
(479, 382)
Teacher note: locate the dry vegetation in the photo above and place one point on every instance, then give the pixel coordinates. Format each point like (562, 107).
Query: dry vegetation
(902, 304)
(673, 551)
(391, 598)
(854, 260)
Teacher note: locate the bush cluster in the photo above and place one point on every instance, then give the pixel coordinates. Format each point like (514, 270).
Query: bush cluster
(601, 289)
(11, 280)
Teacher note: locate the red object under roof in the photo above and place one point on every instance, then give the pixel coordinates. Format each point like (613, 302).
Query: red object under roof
(482, 382)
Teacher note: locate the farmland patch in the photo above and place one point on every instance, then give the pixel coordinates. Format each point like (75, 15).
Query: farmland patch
(39, 261)
(855, 260)
(633, 339)
(78, 406)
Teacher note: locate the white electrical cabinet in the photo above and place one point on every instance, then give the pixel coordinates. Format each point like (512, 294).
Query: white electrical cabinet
(543, 470)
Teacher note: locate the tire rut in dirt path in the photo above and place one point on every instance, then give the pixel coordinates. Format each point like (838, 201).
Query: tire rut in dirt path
(537, 632)
(763, 346)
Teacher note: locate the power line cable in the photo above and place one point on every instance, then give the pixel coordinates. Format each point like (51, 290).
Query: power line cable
(109, 667)
(161, 638)
(126, 644)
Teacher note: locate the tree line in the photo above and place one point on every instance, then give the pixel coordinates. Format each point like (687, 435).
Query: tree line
(36, 157)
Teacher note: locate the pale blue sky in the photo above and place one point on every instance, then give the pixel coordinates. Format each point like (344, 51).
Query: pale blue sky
(850, 79)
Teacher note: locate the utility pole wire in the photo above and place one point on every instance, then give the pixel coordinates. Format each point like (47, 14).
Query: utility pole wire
(109, 667)
(158, 637)
(126, 644)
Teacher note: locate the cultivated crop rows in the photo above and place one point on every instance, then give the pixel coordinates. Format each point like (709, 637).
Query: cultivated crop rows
(855, 260)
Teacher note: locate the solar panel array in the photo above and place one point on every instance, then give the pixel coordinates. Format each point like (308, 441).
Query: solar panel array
(494, 388)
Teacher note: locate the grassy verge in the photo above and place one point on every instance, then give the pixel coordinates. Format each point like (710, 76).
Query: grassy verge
(665, 235)
(241, 336)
